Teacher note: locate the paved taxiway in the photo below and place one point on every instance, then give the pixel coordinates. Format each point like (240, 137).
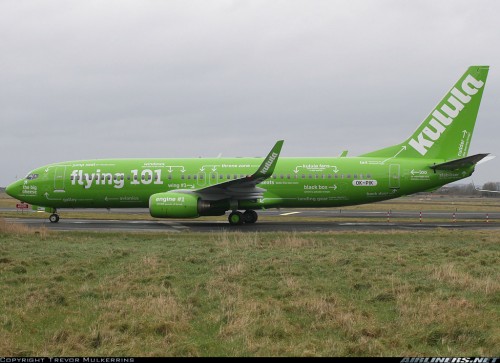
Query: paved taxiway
(315, 213)
(476, 221)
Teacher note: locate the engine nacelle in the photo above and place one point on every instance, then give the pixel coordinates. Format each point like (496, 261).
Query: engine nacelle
(176, 205)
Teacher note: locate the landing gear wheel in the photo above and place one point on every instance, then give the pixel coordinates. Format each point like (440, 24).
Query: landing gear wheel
(250, 216)
(236, 218)
(54, 218)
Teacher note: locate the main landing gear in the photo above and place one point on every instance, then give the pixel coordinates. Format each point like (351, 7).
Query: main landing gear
(54, 217)
(237, 218)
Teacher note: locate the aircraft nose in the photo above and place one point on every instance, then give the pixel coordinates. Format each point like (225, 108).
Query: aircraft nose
(14, 189)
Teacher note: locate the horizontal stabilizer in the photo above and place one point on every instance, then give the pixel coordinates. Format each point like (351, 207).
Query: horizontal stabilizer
(460, 163)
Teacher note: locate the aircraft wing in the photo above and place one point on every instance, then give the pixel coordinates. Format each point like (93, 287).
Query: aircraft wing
(244, 188)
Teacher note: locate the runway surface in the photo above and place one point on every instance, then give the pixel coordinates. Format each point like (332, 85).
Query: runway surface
(477, 221)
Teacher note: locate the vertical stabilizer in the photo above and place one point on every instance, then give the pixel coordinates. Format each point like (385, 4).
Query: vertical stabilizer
(447, 132)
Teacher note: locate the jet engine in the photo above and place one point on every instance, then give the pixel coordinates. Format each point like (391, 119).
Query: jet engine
(180, 205)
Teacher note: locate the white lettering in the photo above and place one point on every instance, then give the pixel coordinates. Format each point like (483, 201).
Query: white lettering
(453, 113)
(364, 183)
(471, 81)
(268, 163)
(442, 118)
(421, 145)
(438, 127)
(461, 97)
(119, 180)
(89, 178)
(74, 174)
(453, 107)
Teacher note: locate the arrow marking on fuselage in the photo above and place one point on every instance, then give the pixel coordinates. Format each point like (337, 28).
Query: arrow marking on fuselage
(47, 196)
(171, 167)
(316, 167)
(214, 167)
(399, 152)
(108, 199)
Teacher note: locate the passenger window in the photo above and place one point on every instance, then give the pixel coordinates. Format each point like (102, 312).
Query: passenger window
(213, 176)
(288, 176)
(329, 176)
(360, 176)
(194, 177)
(281, 176)
(182, 176)
(228, 176)
(235, 176)
(274, 176)
(303, 176)
(368, 176)
(169, 176)
(355, 176)
(189, 177)
(310, 176)
(317, 176)
(348, 176)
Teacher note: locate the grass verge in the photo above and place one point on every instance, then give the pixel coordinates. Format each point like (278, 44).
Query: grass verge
(265, 294)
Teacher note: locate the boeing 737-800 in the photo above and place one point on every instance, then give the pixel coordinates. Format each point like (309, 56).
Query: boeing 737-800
(434, 155)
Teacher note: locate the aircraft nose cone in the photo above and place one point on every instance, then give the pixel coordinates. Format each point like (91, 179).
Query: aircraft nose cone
(13, 189)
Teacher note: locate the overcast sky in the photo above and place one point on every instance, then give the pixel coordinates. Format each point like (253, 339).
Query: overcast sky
(149, 78)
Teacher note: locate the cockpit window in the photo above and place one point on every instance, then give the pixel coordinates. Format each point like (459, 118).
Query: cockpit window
(32, 176)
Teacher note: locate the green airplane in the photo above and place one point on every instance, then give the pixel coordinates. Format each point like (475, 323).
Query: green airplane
(434, 155)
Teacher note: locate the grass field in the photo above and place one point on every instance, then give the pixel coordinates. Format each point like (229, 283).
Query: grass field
(432, 293)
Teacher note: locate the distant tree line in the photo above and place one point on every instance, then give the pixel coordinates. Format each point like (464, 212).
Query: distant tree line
(470, 190)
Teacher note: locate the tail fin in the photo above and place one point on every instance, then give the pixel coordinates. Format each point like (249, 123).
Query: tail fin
(446, 133)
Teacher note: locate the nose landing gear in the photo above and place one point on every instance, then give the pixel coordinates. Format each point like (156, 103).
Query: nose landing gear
(54, 217)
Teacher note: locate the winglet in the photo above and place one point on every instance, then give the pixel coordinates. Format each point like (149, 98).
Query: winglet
(266, 169)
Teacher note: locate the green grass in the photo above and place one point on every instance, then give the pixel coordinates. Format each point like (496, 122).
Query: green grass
(232, 294)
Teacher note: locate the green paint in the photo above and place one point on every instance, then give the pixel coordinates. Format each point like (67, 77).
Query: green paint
(436, 154)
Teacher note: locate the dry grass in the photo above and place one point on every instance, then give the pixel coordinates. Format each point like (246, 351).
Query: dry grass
(20, 229)
(236, 294)
(451, 274)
